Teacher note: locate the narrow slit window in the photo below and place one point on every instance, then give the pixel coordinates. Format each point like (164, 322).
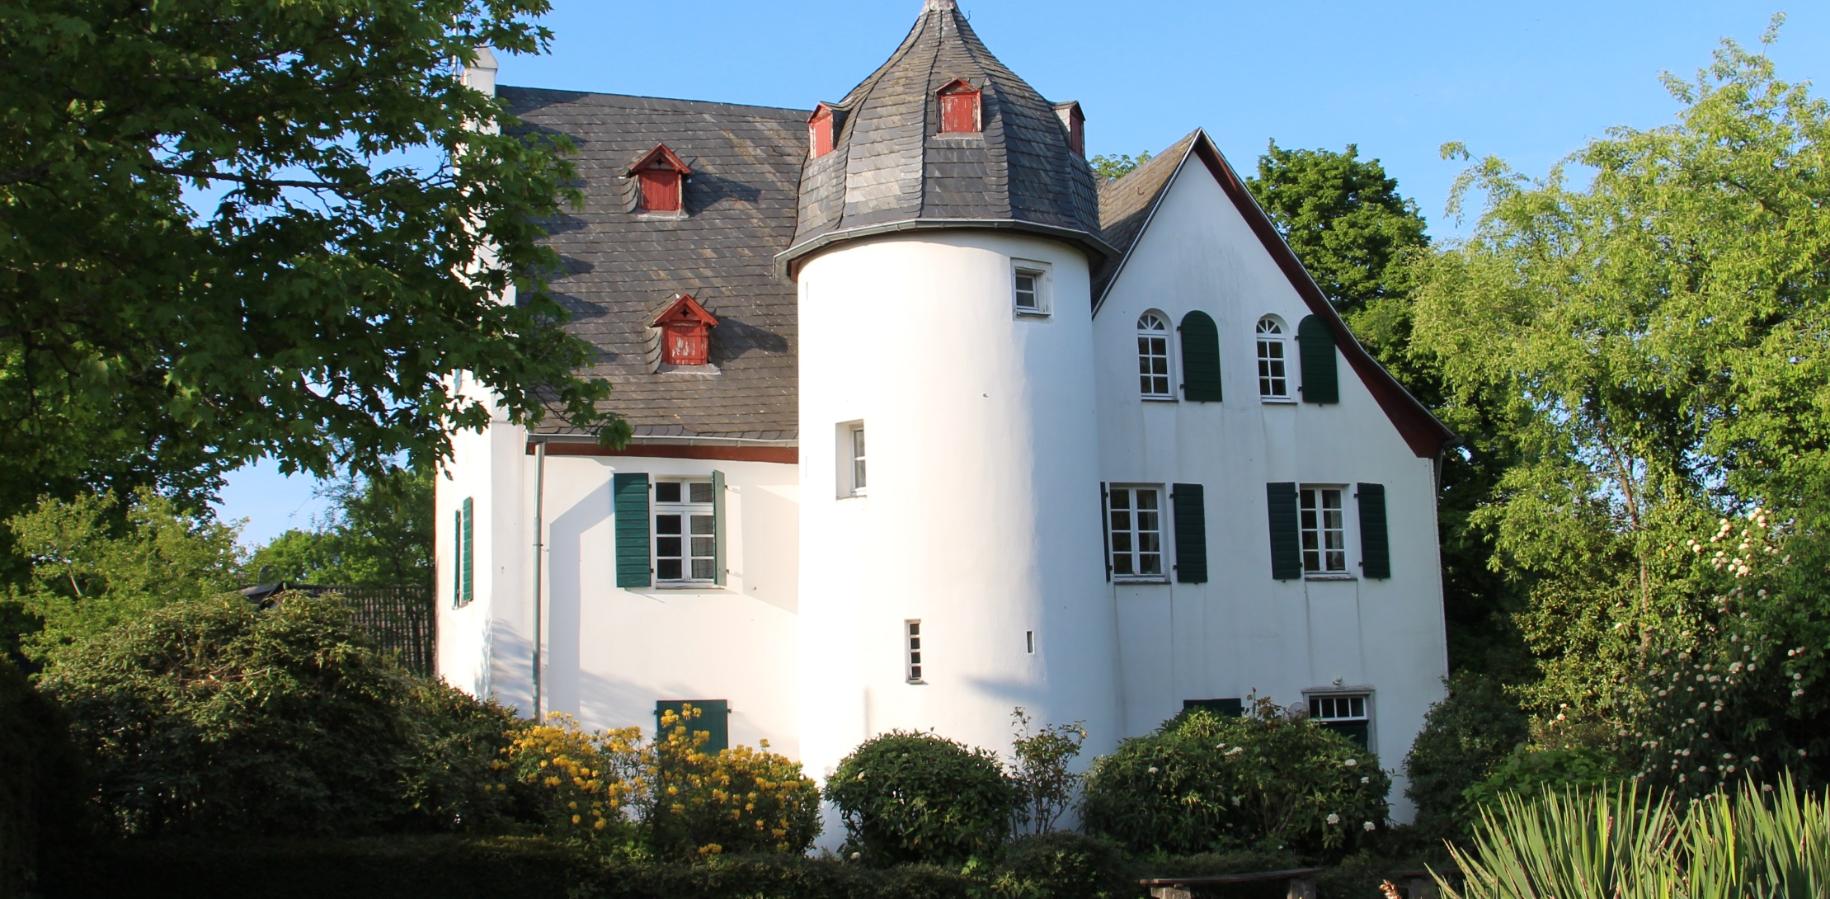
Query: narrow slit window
(853, 475)
(912, 638)
(1029, 642)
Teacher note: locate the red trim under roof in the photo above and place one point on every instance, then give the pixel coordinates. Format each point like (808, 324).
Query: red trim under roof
(1425, 435)
(783, 455)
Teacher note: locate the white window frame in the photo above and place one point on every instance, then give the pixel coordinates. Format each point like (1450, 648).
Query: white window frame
(1039, 293)
(687, 510)
(1152, 385)
(1336, 705)
(852, 477)
(911, 647)
(1273, 352)
(1134, 534)
(1313, 532)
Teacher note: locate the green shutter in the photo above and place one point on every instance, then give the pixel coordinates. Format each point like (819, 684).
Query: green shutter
(1200, 358)
(1191, 533)
(629, 501)
(714, 719)
(718, 528)
(457, 557)
(469, 552)
(1286, 542)
(1315, 343)
(1232, 708)
(1375, 536)
(1105, 529)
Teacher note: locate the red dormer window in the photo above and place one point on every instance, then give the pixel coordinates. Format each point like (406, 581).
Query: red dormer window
(819, 131)
(959, 108)
(1075, 122)
(661, 176)
(686, 332)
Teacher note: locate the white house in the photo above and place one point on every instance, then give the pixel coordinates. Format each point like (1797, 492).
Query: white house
(882, 357)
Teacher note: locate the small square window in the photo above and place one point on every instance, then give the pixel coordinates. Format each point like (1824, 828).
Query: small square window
(1029, 289)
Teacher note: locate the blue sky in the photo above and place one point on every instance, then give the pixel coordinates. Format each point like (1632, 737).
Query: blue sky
(1527, 82)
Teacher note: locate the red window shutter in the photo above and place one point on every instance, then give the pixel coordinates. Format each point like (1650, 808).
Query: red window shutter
(660, 191)
(959, 110)
(819, 133)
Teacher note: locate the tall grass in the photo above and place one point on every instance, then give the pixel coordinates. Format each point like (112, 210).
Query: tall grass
(1758, 842)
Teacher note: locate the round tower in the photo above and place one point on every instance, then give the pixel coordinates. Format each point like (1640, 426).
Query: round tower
(951, 561)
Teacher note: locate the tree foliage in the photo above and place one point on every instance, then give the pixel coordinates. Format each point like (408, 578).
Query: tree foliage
(240, 230)
(379, 532)
(1111, 167)
(88, 573)
(1656, 339)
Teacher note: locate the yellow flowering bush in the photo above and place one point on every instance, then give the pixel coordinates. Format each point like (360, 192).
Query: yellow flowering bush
(589, 787)
(740, 799)
(620, 796)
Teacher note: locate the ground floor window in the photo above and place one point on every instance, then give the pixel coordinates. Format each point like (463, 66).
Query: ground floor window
(1348, 714)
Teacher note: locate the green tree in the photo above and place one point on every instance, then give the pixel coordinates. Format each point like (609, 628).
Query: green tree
(1110, 167)
(1656, 339)
(87, 574)
(379, 532)
(242, 230)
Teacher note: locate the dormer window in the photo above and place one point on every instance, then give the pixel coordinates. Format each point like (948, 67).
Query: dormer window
(1075, 123)
(661, 178)
(686, 332)
(959, 108)
(820, 127)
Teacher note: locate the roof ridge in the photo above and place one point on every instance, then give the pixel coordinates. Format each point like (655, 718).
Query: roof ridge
(687, 101)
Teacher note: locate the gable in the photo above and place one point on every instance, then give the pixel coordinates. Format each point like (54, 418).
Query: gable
(1134, 212)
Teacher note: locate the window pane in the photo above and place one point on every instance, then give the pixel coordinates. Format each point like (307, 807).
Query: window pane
(1146, 499)
(1121, 499)
(668, 547)
(701, 491)
(667, 524)
(1121, 539)
(702, 569)
(1149, 563)
(704, 525)
(667, 492)
(667, 569)
(1121, 564)
(857, 475)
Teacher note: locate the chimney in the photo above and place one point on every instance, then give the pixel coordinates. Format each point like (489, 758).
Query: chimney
(481, 75)
(1075, 123)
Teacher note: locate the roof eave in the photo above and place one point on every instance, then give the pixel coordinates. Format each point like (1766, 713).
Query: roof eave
(788, 261)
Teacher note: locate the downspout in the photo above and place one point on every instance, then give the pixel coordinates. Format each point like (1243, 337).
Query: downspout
(539, 548)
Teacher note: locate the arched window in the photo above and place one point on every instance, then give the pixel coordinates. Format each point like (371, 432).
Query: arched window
(1153, 356)
(1273, 359)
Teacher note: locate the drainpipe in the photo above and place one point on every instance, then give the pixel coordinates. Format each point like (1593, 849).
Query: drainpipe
(539, 600)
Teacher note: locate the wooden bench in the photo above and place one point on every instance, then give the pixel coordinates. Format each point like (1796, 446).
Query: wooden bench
(1299, 883)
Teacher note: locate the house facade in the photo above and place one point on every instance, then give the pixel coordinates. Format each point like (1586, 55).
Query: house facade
(882, 358)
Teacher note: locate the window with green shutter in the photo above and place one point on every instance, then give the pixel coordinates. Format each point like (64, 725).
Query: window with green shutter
(467, 590)
(1200, 358)
(1315, 344)
(1375, 535)
(1191, 533)
(629, 504)
(1286, 542)
(713, 718)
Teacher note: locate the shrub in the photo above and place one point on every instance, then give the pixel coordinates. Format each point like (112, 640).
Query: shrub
(1464, 737)
(1062, 865)
(212, 716)
(1623, 843)
(1268, 779)
(619, 797)
(1042, 769)
(39, 793)
(1533, 768)
(783, 877)
(912, 797)
(451, 778)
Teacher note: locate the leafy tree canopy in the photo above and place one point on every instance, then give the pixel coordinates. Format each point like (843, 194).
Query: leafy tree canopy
(1657, 339)
(379, 533)
(1110, 167)
(88, 575)
(237, 230)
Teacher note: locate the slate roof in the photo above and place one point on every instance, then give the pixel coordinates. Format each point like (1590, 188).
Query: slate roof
(621, 267)
(890, 168)
(1126, 203)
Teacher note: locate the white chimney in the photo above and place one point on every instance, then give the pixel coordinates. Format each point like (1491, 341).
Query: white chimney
(481, 75)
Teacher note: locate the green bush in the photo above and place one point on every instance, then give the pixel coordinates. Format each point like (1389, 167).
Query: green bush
(911, 797)
(782, 877)
(1533, 768)
(1624, 843)
(1463, 738)
(1268, 779)
(214, 717)
(40, 797)
(1062, 865)
(454, 744)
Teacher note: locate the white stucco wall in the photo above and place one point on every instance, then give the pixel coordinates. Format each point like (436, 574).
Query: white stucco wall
(979, 518)
(1242, 631)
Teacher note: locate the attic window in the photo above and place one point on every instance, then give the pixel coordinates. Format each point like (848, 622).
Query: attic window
(1075, 123)
(959, 108)
(661, 176)
(819, 131)
(686, 332)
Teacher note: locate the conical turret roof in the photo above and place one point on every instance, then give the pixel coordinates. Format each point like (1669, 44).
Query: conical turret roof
(891, 169)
